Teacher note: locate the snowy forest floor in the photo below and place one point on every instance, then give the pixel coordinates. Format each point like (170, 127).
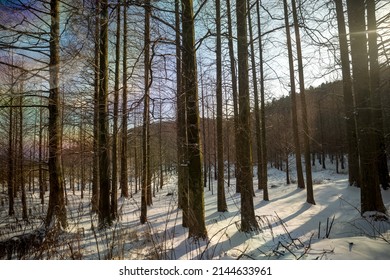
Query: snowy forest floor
(290, 228)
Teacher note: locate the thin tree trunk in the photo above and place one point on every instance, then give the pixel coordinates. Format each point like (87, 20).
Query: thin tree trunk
(306, 132)
(221, 201)
(298, 161)
(21, 154)
(123, 173)
(256, 95)
(234, 93)
(11, 159)
(115, 133)
(264, 165)
(145, 126)
(95, 168)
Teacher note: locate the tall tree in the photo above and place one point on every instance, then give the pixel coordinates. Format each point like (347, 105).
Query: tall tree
(114, 183)
(56, 208)
(298, 160)
(371, 197)
(234, 91)
(104, 145)
(196, 219)
(256, 96)
(248, 218)
(123, 173)
(263, 166)
(305, 125)
(96, 66)
(383, 170)
(349, 106)
(146, 115)
(221, 201)
(181, 124)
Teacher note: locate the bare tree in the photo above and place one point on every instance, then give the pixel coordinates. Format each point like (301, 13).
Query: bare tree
(196, 219)
(248, 219)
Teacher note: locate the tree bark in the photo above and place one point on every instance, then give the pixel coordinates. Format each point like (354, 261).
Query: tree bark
(221, 201)
(234, 93)
(196, 221)
(123, 173)
(145, 126)
(305, 125)
(104, 145)
(56, 208)
(371, 198)
(181, 126)
(95, 168)
(115, 132)
(383, 170)
(264, 165)
(298, 161)
(349, 106)
(248, 219)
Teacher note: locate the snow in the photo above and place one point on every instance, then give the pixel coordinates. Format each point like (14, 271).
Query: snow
(290, 228)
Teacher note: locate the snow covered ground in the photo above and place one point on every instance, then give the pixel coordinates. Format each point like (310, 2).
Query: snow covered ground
(333, 229)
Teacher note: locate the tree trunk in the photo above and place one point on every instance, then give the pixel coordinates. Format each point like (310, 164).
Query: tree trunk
(21, 155)
(56, 208)
(306, 132)
(264, 165)
(256, 95)
(11, 159)
(234, 93)
(221, 201)
(298, 161)
(145, 126)
(248, 219)
(104, 145)
(95, 168)
(182, 161)
(123, 173)
(115, 132)
(196, 222)
(371, 198)
(383, 170)
(349, 106)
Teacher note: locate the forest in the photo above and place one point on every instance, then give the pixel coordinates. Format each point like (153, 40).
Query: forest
(206, 129)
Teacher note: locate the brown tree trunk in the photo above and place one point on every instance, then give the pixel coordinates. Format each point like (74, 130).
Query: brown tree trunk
(123, 173)
(371, 197)
(95, 167)
(115, 133)
(56, 208)
(305, 125)
(383, 170)
(221, 201)
(349, 106)
(248, 219)
(298, 161)
(145, 126)
(234, 93)
(182, 161)
(196, 219)
(264, 165)
(104, 145)
(256, 98)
